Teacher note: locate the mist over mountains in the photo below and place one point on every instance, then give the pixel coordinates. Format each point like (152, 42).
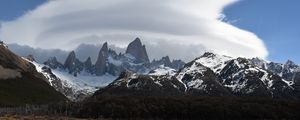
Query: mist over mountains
(78, 78)
(83, 51)
(91, 50)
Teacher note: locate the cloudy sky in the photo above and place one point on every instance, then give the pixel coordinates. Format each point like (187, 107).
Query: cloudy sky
(180, 28)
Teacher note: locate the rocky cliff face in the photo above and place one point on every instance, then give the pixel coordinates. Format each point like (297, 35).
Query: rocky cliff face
(200, 80)
(101, 66)
(166, 62)
(137, 50)
(109, 62)
(88, 65)
(243, 78)
(288, 72)
(53, 63)
(73, 65)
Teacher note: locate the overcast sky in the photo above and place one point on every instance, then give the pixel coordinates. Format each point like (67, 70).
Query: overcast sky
(180, 28)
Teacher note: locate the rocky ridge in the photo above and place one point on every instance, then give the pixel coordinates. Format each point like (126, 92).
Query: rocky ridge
(218, 75)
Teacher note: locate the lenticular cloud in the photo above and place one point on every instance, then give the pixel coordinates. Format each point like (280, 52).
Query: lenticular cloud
(179, 24)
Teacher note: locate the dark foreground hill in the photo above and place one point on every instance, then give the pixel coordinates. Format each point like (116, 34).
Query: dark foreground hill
(21, 84)
(184, 108)
(172, 108)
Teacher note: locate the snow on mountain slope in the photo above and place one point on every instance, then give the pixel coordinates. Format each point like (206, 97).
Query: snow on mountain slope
(191, 68)
(249, 76)
(290, 72)
(239, 73)
(162, 70)
(87, 82)
(200, 80)
(143, 85)
(213, 61)
(209, 75)
(75, 88)
(244, 78)
(261, 63)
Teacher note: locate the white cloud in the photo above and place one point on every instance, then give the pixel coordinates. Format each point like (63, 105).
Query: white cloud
(184, 24)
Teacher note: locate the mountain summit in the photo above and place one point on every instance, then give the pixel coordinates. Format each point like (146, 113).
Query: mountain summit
(102, 59)
(137, 50)
(77, 78)
(73, 64)
(135, 60)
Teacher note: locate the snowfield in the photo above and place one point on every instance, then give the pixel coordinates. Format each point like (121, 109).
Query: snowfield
(162, 70)
(84, 83)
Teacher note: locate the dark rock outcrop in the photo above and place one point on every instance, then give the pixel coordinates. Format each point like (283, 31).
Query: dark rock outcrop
(53, 63)
(177, 64)
(200, 80)
(165, 61)
(73, 64)
(245, 79)
(137, 50)
(109, 62)
(101, 63)
(88, 65)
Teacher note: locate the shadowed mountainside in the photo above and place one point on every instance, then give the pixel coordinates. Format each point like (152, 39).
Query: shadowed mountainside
(28, 86)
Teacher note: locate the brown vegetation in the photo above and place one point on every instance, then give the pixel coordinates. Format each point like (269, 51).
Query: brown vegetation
(33, 117)
(186, 107)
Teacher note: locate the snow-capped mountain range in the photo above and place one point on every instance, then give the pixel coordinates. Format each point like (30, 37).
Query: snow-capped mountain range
(132, 73)
(218, 75)
(77, 79)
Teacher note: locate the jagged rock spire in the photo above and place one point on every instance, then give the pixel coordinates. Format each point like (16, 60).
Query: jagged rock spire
(104, 49)
(70, 60)
(53, 63)
(290, 62)
(167, 61)
(101, 61)
(137, 50)
(208, 54)
(73, 64)
(88, 62)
